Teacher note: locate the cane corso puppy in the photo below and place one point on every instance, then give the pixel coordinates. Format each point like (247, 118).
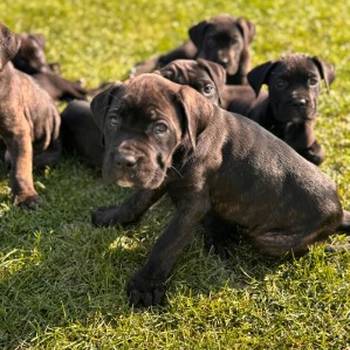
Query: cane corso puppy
(222, 39)
(289, 110)
(80, 134)
(164, 137)
(31, 59)
(29, 123)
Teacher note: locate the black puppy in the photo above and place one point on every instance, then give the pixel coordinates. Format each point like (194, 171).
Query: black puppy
(228, 164)
(222, 39)
(289, 110)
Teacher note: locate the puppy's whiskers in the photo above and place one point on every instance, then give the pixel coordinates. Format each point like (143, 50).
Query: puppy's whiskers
(176, 171)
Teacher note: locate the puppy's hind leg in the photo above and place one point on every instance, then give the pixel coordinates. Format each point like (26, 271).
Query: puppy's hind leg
(279, 243)
(219, 235)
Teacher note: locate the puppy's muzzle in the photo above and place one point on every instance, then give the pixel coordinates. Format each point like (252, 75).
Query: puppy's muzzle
(125, 161)
(299, 102)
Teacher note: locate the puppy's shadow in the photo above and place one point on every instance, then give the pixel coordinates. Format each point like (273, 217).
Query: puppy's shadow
(67, 272)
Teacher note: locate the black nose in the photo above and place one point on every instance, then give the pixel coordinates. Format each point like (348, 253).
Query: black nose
(125, 160)
(300, 102)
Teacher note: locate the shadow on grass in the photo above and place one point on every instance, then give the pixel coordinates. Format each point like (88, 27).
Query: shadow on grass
(67, 273)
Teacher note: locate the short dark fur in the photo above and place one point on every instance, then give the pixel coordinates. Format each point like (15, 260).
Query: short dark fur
(290, 109)
(222, 39)
(29, 123)
(163, 137)
(81, 135)
(31, 59)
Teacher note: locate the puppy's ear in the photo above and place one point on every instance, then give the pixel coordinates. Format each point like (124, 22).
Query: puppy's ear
(216, 72)
(10, 44)
(196, 33)
(247, 29)
(260, 74)
(195, 111)
(101, 103)
(40, 39)
(326, 70)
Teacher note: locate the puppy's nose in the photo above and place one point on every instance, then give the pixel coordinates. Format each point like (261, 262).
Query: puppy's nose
(125, 160)
(300, 102)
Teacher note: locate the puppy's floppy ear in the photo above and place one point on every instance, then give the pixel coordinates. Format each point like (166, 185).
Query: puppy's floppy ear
(101, 103)
(9, 45)
(195, 110)
(216, 72)
(39, 38)
(325, 69)
(260, 74)
(196, 33)
(247, 29)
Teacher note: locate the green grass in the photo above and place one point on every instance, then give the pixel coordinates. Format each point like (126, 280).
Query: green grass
(62, 282)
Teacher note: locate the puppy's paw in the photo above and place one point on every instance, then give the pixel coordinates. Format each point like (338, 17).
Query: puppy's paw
(104, 216)
(145, 292)
(27, 202)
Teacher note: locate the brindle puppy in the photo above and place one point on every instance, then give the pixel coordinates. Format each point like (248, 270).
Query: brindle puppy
(152, 126)
(222, 39)
(31, 59)
(29, 123)
(290, 109)
(80, 134)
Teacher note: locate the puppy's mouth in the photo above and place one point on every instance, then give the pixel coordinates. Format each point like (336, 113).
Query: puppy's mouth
(148, 174)
(296, 114)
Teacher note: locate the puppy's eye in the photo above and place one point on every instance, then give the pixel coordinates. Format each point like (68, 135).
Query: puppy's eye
(208, 89)
(160, 128)
(281, 84)
(115, 121)
(168, 74)
(312, 81)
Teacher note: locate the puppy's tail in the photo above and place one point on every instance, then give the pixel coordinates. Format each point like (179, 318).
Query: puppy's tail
(345, 225)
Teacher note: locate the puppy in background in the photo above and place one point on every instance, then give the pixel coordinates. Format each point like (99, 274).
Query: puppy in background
(29, 123)
(222, 39)
(31, 59)
(290, 109)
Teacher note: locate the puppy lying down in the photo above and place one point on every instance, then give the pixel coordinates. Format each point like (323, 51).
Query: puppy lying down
(224, 163)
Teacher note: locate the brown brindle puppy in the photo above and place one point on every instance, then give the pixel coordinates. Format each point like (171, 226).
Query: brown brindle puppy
(80, 134)
(290, 109)
(164, 137)
(31, 59)
(222, 39)
(29, 123)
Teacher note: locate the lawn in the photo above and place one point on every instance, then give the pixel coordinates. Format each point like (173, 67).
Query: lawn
(62, 282)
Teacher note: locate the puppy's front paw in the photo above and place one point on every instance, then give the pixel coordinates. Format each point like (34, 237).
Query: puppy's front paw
(27, 202)
(105, 216)
(145, 292)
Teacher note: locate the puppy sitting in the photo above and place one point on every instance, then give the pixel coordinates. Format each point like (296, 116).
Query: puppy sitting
(289, 110)
(225, 163)
(31, 59)
(29, 122)
(222, 39)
